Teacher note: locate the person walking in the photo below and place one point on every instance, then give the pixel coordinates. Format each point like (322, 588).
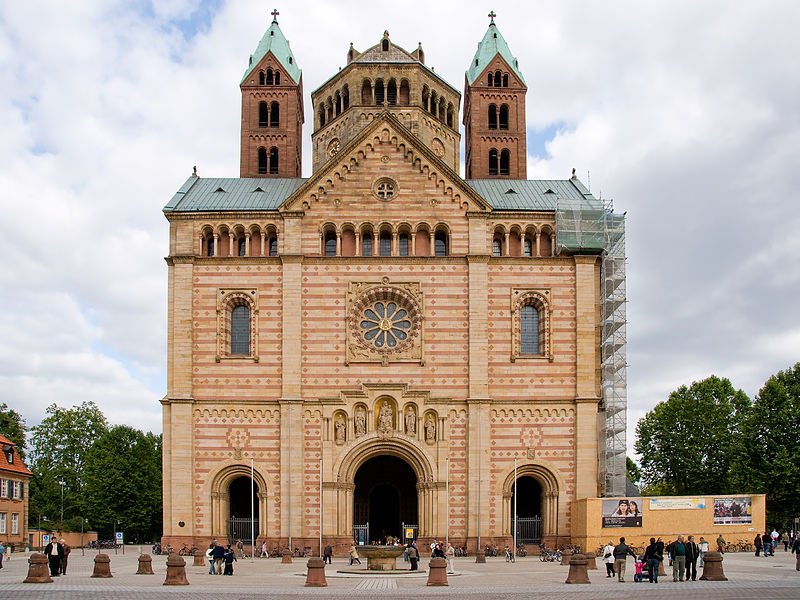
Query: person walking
(757, 544)
(450, 554)
(354, 555)
(692, 554)
(608, 559)
(2, 552)
(54, 551)
(219, 558)
(677, 550)
(703, 547)
(210, 557)
(721, 544)
(413, 556)
(653, 560)
(65, 556)
(621, 552)
(327, 554)
(766, 542)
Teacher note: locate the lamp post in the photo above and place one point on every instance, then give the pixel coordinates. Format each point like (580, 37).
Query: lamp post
(62, 484)
(39, 529)
(83, 546)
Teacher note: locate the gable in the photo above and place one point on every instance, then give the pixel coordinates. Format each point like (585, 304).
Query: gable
(498, 63)
(270, 61)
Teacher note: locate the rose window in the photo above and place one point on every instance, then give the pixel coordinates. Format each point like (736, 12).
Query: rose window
(385, 324)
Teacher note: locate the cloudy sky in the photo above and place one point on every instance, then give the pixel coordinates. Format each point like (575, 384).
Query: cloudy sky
(685, 113)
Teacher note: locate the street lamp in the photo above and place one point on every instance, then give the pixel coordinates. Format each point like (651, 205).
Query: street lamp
(39, 529)
(62, 484)
(83, 546)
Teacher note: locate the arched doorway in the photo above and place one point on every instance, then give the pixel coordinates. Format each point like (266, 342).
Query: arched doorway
(528, 503)
(240, 494)
(384, 499)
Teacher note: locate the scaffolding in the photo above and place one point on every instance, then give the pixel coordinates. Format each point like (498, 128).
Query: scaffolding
(590, 226)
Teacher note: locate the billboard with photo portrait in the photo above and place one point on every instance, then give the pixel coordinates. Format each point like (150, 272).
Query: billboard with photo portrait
(622, 512)
(733, 511)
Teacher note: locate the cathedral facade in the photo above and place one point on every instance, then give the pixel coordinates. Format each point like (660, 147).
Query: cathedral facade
(385, 347)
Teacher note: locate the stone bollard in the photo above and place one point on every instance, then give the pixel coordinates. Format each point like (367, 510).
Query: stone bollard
(577, 569)
(176, 571)
(712, 567)
(566, 556)
(38, 571)
(199, 558)
(480, 556)
(591, 562)
(437, 571)
(145, 565)
(315, 577)
(286, 557)
(102, 566)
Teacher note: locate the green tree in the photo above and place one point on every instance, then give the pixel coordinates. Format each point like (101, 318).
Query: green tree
(58, 447)
(769, 457)
(12, 425)
(123, 483)
(633, 471)
(688, 442)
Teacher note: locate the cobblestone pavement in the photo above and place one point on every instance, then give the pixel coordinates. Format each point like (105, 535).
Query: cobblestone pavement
(749, 578)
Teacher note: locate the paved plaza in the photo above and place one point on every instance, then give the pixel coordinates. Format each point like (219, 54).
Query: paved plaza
(749, 578)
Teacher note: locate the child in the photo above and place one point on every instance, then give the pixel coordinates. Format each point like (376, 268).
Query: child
(639, 568)
(229, 558)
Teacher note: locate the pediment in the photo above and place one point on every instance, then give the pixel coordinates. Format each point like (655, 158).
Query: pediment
(498, 63)
(385, 151)
(269, 61)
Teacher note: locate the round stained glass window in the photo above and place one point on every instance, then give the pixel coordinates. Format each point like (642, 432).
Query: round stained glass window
(385, 324)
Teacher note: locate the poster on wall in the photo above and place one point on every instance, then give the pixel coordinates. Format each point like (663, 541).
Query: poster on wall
(622, 512)
(677, 503)
(733, 511)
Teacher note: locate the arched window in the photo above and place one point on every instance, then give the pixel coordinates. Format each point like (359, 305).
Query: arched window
(492, 116)
(385, 45)
(440, 243)
(278, 74)
(425, 98)
(505, 79)
(273, 161)
(529, 330)
(273, 246)
(391, 92)
(527, 247)
(497, 79)
(240, 330)
(442, 109)
(505, 161)
(274, 114)
(385, 243)
(338, 104)
(434, 103)
(210, 245)
(493, 166)
(241, 246)
(263, 114)
(270, 78)
(330, 243)
(366, 244)
(497, 247)
(366, 92)
(379, 92)
(490, 83)
(450, 115)
(504, 116)
(262, 161)
(321, 115)
(405, 94)
(345, 98)
(403, 246)
(261, 78)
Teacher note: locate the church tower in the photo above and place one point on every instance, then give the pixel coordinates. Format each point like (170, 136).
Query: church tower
(272, 109)
(494, 111)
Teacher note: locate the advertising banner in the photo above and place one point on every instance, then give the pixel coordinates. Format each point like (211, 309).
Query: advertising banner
(622, 512)
(677, 503)
(733, 511)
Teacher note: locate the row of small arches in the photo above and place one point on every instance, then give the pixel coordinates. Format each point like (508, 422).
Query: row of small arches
(516, 241)
(386, 415)
(268, 161)
(334, 105)
(498, 119)
(385, 240)
(269, 77)
(238, 240)
(499, 162)
(497, 79)
(269, 114)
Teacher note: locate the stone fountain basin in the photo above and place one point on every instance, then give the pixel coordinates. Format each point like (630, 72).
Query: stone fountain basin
(381, 558)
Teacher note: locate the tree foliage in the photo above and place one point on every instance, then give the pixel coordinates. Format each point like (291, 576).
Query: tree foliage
(123, 483)
(633, 471)
(769, 459)
(12, 425)
(687, 443)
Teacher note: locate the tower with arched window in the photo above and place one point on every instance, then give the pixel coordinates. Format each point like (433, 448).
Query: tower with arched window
(494, 112)
(272, 109)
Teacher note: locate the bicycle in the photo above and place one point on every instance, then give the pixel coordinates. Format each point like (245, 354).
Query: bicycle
(546, 555)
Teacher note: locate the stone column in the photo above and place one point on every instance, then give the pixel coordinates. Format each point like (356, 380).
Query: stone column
(247, 244)
(264, 249)
(358, 243)
(338, 243)
(216, 244)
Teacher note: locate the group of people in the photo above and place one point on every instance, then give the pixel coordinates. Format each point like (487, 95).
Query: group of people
(768, 542)
(220, 559)
(57, 553)
(683, 554)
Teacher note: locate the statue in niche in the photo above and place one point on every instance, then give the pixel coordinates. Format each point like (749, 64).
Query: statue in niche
(361, 421)
(385, 418)
(340, 426)
(430, 429)
(411, 421)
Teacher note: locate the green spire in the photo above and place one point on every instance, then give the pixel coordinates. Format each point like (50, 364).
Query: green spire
(491, 45)
(275, 42)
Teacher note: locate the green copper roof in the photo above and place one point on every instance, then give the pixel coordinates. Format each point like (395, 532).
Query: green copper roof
(274, 41)
(534, 194)
(491, 45)
(214, 194)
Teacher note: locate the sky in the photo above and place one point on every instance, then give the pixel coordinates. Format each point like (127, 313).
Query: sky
(686, 114)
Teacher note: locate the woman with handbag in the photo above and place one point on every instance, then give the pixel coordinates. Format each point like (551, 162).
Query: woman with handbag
(608, 558)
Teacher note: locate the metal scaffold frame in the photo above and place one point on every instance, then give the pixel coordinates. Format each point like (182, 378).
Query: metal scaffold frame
(590, 226)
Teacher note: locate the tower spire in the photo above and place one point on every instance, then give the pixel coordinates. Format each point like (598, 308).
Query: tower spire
(492, 15)
(275, 14)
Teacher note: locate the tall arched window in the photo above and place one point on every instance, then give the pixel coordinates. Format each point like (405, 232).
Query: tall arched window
(385, 45)
(273, 161)
(210, 245)
(440, 243)
(391, 92)
(492, 116)
(263, 114)
(338, 104)
(273, 246)
(379, 92)
(527, 247)
(491, 79)
(504, 116)
(497, 79)
(270, 78)
(505, 79)
(330, 243)
(277, 77)
(493, 166)
(405, 94)
(240, 330)
(274, 114)
(366, 92)
(425, 98)
(322, 115)
(450, 115)
(345, 98)
(385, 243)
(434, 103)
(505, 161)
(261, 78)
(403, 244)
(366, 244)
(529, 330)
(262, 161)
(497, 247)
(241, 246)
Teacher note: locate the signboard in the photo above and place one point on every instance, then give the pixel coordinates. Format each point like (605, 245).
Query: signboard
(733, 511)
(409, 533)
(677, 503)
(120, 538)
(45, 539)
(622, 512)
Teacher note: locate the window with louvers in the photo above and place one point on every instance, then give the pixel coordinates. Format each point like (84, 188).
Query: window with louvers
(529, 330)
(240, 330)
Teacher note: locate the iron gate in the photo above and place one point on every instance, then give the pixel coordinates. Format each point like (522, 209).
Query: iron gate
(529, 530)
(361, 534)
(239, 528)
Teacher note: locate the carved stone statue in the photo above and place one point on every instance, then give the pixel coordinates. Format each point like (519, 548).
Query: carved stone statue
(361, 421)
(411, 421)
(430, 429)
(340, 429)
(385, 418)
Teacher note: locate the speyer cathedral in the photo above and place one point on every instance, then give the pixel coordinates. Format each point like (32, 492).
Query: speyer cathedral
(383, 341)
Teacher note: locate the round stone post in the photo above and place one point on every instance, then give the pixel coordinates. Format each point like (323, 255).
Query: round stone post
(566, 556)
(577, 569)
(145, 565)
(102, 566)
(437, 571)
(199, 558)
(315, 576)
(480, 556)
(712, 568)
(176, 571)
(38, 571)
(286, 557)
(591, 561)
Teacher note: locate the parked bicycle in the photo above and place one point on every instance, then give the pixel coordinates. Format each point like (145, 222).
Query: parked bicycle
(547, 555)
